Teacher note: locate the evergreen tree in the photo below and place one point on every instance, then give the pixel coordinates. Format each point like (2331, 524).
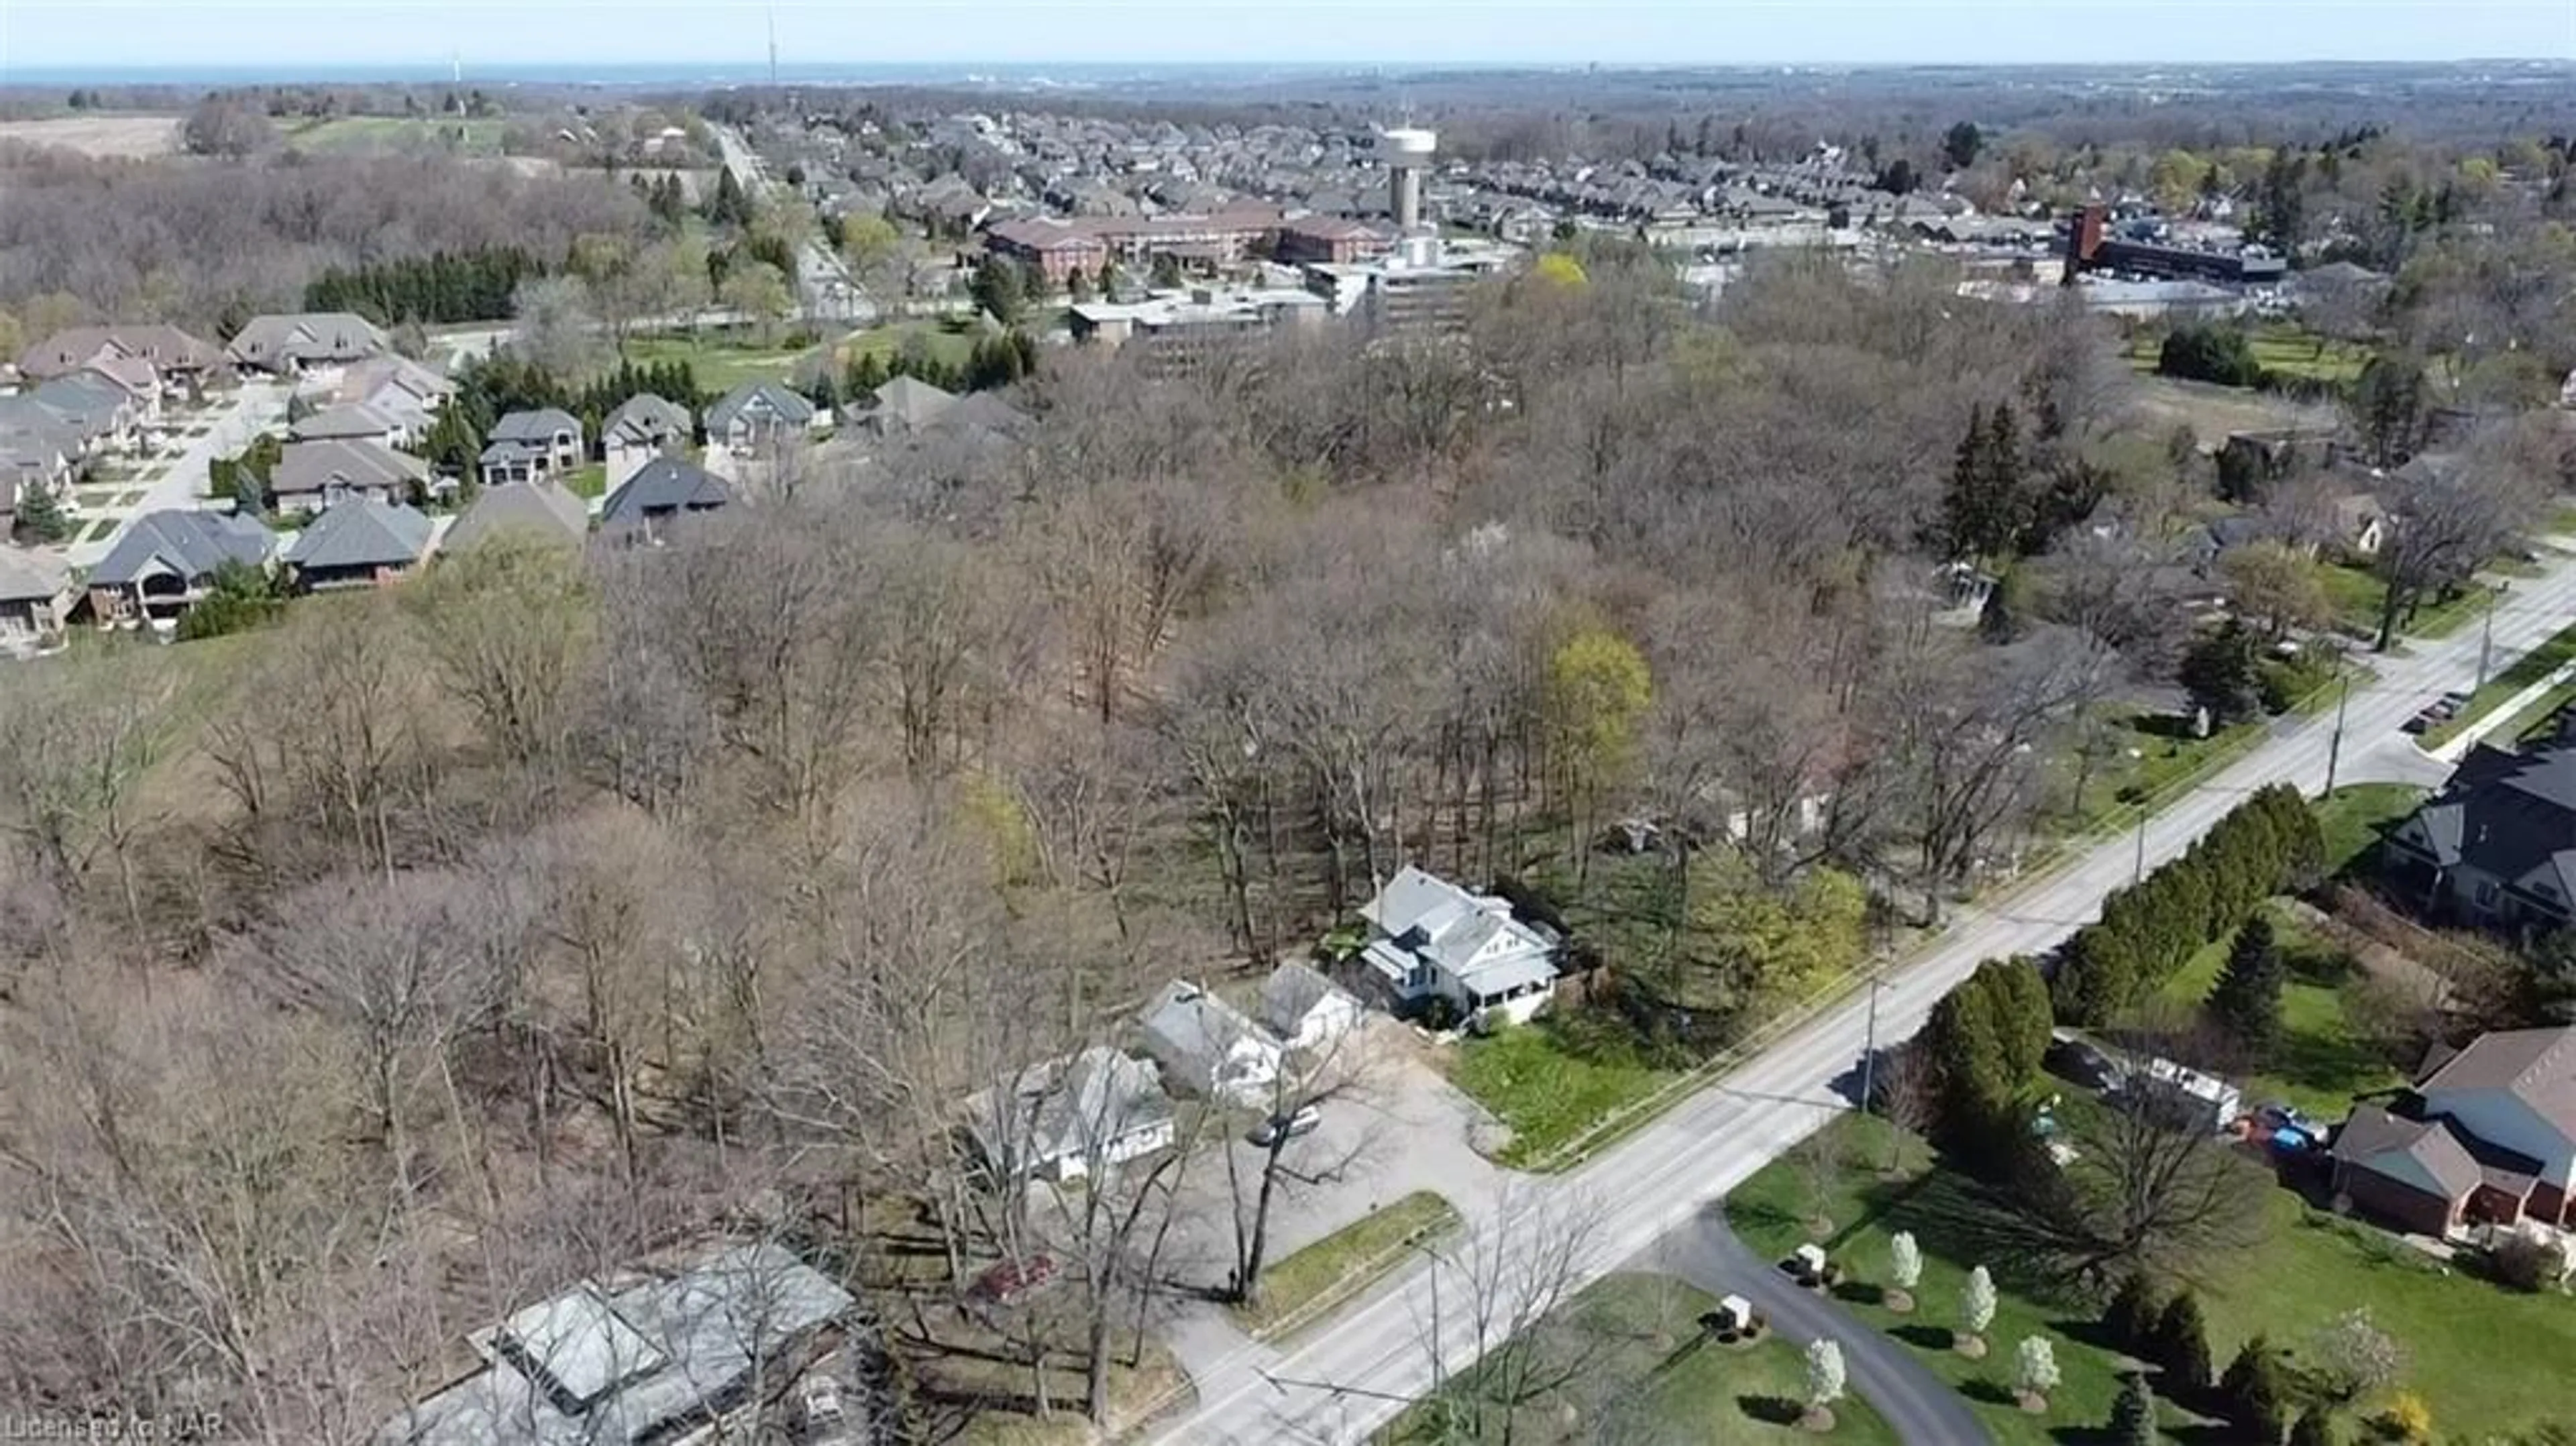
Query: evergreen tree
(2255, 1393)
(41, 517)
(996, 289)
(2133, 1415)
(2246, 1000)
(2218, 671)
(1961, 144)
(2132, 1313)
(1982, 513)
(2182, 1344)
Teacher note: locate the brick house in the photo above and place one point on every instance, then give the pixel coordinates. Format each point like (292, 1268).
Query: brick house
(2489, 1137)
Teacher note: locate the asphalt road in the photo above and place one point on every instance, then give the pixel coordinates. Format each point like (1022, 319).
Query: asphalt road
(1347, 1378)
(1918, 1404)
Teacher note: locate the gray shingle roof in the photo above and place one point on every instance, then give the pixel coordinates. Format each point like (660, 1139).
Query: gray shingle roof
(760, 401)
(538, 512)
(306, 337)
(2509, 815)
(665, 484)
(1065, 1107)
(189, 544)
(311, 467)
(28, 576)
(355, 420)
(2536, 1066)
(644, 419)
(364, 533)
(539, 426)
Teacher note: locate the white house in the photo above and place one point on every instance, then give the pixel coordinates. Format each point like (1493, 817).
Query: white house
(1431, 938)
(1062, 1118)
(1306, 1010)
(2516, 1089)
(1210, 1048)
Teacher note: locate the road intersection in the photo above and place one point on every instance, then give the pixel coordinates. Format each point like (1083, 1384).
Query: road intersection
(1351, 1375)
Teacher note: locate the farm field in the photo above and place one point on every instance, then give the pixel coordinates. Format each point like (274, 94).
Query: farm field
(123, 137)
(359, 134)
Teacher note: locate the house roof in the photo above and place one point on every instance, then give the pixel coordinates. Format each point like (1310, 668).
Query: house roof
(355, 420)
(84, 400)
(311, 467)
(645, 418)
(2536, 1066)
(911, 401)
(306, 336)
(538, 427)
(363, 533)
(1193, 1024)
(165, 347)
(2509, 815)
(1061, 1108)
(1473, 938)
(643, 1358)
(371, 379)
(535, 512)
(662, 485)
(2425, 1155)
(30, 576)
(185, 543)
(761, 400)
(1291, 993)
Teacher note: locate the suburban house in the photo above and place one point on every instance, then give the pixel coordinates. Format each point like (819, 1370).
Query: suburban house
(355, 422)
(759, 412)
(2489, 1137)
(163, 562)
(313, 476)
(1431, 939)
(98, 414)
(530, 446)
(366, 543)
(2360, 525)
(36, 595)
(293, 344)
(539, 514)
(1306, 1010)
(649, 1356)
(662, 491)
(1210, 1048)
(2497, 846)
(642, 428)
(37, 450)
(1063, 1118)
(178, 363)
(396, 387)
(905, 404)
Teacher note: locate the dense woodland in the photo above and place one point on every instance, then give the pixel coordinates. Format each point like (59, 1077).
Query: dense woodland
(369, 973)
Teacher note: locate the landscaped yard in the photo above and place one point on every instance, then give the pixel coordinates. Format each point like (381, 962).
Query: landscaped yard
(588, 481)
(2554, 652)
(2286, 349)
(2351, 818)
(2144, 761)
(2357, 593)
(720, 360)
(2533, 719)
(1649, 1373)
(2459, 1333)
(948, 341)
(2319, 1063)
(1306, 1285)
(1553, 1081)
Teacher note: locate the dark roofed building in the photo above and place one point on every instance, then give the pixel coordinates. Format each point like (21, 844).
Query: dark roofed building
(541, 514)
(660, 493)
(365, 543)
(2497, 845)
(163, 562)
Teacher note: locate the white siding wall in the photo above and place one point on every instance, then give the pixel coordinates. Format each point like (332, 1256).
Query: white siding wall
(2500, 1118)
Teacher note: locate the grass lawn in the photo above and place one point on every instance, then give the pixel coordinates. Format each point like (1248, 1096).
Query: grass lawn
(949, 340)
(2533, 719)
(2318, 1064)
(479, 136)
(1550, 1084)
(1645, 1353)
(1308, 1284)
(2307, 1268)
(2150, 759)
(2350, 819)
(2554, 652)
(588, 481)
(721, 361)
(2357, 592)
(99, 530)
(2290, 350)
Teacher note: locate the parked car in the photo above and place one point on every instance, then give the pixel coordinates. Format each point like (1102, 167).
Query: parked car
(1006, 1281)
(1300, 1121)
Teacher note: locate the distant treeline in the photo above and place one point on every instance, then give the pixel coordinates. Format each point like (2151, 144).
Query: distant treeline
(434, 290)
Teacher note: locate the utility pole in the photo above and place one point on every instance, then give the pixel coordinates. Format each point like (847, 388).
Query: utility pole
(2334, 745)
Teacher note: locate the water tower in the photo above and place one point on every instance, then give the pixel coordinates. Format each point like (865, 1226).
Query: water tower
(1408, 155)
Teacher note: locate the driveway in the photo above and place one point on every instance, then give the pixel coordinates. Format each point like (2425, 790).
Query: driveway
(1401, 1129)
(1918, 1404)
(180, 480)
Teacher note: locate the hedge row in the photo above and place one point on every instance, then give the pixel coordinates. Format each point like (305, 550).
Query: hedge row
(2267, 844)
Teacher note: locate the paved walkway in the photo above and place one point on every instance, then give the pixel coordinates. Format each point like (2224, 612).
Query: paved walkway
(1919, 1405)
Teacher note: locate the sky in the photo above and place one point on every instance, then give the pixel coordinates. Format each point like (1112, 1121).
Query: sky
(297, 35)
